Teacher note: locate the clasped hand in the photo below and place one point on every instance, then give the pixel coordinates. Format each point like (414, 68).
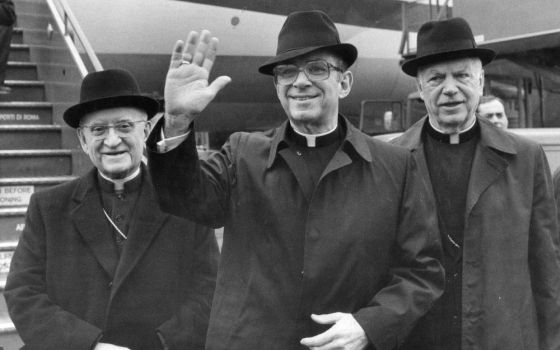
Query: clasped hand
(187, 90)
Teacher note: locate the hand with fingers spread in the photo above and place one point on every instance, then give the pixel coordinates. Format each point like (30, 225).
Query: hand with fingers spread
(346, 333)
(187, 90)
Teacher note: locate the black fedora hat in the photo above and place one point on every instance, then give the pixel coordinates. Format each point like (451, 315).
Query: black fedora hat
(108, 89)
(445, 40)
(305, 32)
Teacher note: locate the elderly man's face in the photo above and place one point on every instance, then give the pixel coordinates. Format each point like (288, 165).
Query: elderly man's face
(115, 151)
(312, 106)
(451, 91)
(494, 112)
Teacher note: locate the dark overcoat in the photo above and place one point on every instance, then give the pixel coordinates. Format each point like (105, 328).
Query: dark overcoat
(67, 287)
(511, 273)
(365, 241)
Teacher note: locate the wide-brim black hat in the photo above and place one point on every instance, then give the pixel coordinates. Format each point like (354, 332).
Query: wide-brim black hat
(305, 32)
(109, 89)
(443, 41)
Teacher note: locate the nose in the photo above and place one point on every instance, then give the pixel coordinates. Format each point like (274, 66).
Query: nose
(112, 138)
(301, 79)
(449, 86)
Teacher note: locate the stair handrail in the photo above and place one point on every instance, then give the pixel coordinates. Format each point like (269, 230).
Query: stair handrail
(70, 28)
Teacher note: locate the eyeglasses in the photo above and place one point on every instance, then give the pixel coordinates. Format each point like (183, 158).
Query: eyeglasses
(123, 128)
(286, 74)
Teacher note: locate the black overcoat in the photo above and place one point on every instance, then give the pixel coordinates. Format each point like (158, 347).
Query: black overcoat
(364, 241)
(66, 285)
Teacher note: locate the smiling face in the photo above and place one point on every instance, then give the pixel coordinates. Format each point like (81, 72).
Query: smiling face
(312, 106)
(113, 154)
(451, 91)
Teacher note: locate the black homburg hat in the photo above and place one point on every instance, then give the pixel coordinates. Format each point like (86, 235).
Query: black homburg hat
(108, 89)
(443, 41)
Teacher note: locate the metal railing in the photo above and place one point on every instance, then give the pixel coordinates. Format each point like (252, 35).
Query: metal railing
(71, 31)
(437, 10)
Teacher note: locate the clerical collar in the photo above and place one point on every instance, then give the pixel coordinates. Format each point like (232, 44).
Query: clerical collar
(132, 182)
(462, 136)
(315, 140)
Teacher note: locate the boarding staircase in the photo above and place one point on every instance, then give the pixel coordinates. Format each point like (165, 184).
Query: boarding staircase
(37, 150)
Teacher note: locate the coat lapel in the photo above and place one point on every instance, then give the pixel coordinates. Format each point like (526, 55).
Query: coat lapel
(488, 163)
(145, 224)
(90, 222)
(412, 140)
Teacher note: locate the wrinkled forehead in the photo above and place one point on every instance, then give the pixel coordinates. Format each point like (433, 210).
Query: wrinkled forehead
(470, 64)
(113, 115)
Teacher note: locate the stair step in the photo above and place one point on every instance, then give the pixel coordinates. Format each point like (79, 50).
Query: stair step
(59, 72)
(14, 197)
(24, 90)
(19, 137)
(38, 7)
(21, 71)
(50, 54)
(40, 53)
(62, 91)
(17, 36)
(39, 181)
(41, 37)
(33, 20)
(34, 113)
(19, 52)
(27, 163)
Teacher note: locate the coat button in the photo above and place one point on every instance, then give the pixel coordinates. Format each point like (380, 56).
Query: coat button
(110, 285)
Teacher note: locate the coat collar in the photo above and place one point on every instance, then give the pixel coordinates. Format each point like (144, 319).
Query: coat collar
(90, 222)
(490, 136)
(353, 137)
(487, 163)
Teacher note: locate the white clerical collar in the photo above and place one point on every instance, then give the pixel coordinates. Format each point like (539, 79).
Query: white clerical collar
(312, 138)
(119, 183)
(453, 138)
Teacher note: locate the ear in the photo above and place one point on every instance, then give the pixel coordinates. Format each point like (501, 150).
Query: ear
(481, 82)
(82, 139)
(345, 84)
(419, 88)
(147, 129)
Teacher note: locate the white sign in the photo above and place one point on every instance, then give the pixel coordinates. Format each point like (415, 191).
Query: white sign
(5, 260)
(15, 195)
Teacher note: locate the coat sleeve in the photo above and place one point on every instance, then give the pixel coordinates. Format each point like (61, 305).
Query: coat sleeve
(41, 323)
(416, 277)
(7, 13)
(544, 263)
(187, 187)
(187, 328)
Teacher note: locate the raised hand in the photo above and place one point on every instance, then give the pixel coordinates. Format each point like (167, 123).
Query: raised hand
(187, 90)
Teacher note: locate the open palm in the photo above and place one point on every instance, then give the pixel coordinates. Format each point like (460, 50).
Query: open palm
(187, 90)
